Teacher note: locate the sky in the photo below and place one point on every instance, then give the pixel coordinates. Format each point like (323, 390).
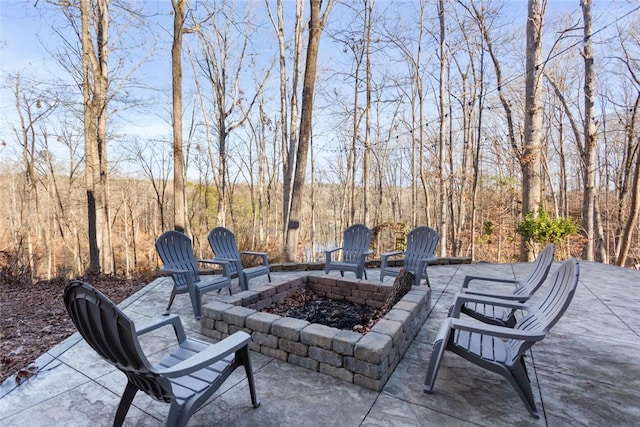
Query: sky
(24, 32)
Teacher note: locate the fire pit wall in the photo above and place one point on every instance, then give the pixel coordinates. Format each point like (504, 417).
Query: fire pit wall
(367, 360)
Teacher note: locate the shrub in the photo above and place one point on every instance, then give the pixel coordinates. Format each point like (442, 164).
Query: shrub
(539, 228)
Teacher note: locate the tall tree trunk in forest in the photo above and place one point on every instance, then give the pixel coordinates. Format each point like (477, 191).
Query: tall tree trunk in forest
(531, 158)
(316, 24)
(289, 127)
(634, 208)
(95, 83)
(179, 196)
(589, 149)
(368, 13)
(442, 183)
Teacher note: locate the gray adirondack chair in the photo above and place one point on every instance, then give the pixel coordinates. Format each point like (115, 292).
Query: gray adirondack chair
(186, 378)
(421, 246)
(524, 289)
(355, 249)
(224, 247)
(176, 252)
(501, 349)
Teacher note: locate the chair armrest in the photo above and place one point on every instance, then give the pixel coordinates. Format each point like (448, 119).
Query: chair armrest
(390, 254)
(510, 297)
(263, 255)
(468, 279)
(384, 258)
(222, 262)
(495, 331)
(173, 270)
(330, 251)
(462, 298)
(173, 320)
(186, 273)
(215, 352)
(364, 255)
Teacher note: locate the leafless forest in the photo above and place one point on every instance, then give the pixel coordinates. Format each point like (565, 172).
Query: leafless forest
(289, 120)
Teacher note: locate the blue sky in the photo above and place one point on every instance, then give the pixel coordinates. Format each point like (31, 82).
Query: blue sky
(23, 31)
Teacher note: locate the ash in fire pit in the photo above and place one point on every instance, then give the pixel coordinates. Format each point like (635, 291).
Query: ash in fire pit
(307, 305)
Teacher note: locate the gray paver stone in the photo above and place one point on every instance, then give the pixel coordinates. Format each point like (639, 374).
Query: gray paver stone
(305, 362)
(345, 342)
(371, 370)
(215, 309)
(340, 373)
(373, 347)
(261, 322)
(265, 339)
(237, 315)
(319, 335)
(390, 328)
(325, 356)
(295, 347)
(288, 328)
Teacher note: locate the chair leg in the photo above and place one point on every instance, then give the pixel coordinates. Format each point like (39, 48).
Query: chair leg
(434, 366)
(173, 296)
(519, 378)
(242, 357)
(178, 415)
(125, 402)
(196, 302)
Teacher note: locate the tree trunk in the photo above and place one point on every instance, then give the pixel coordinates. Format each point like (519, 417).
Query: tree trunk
(179, 196)
(367, 127)
(531, 159)
(442, 182)
(290, 141)
(589, 153)
(94, 89)
(316, 24)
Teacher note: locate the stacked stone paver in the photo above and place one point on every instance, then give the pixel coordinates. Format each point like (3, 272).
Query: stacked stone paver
(364, 359)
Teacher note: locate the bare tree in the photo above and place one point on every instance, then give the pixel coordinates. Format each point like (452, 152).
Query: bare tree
(531, 158)
(94, 19)
(588, 151)
(289, 121)
(442, 127)
(630, 172)
(180, 200)
(317, 21)
(222, 69)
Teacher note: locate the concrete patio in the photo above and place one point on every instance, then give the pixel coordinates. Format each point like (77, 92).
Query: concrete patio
(586, 372)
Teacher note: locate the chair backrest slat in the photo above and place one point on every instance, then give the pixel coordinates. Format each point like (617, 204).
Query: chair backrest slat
(176, 250)
(223, 243)
(355, 241)
(112, 335)
(546, 313)
(539, 271)
(421, 243)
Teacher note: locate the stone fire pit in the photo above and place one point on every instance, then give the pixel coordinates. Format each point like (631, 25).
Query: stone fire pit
(364, 359)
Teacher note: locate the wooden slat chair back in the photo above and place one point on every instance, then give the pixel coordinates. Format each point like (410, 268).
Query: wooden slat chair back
(355, 249)
(223, 244)
(501, 349)
(112, 334)
(420, 250)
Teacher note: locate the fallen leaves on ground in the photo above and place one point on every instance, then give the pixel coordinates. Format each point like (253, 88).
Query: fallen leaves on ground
(33, 319)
